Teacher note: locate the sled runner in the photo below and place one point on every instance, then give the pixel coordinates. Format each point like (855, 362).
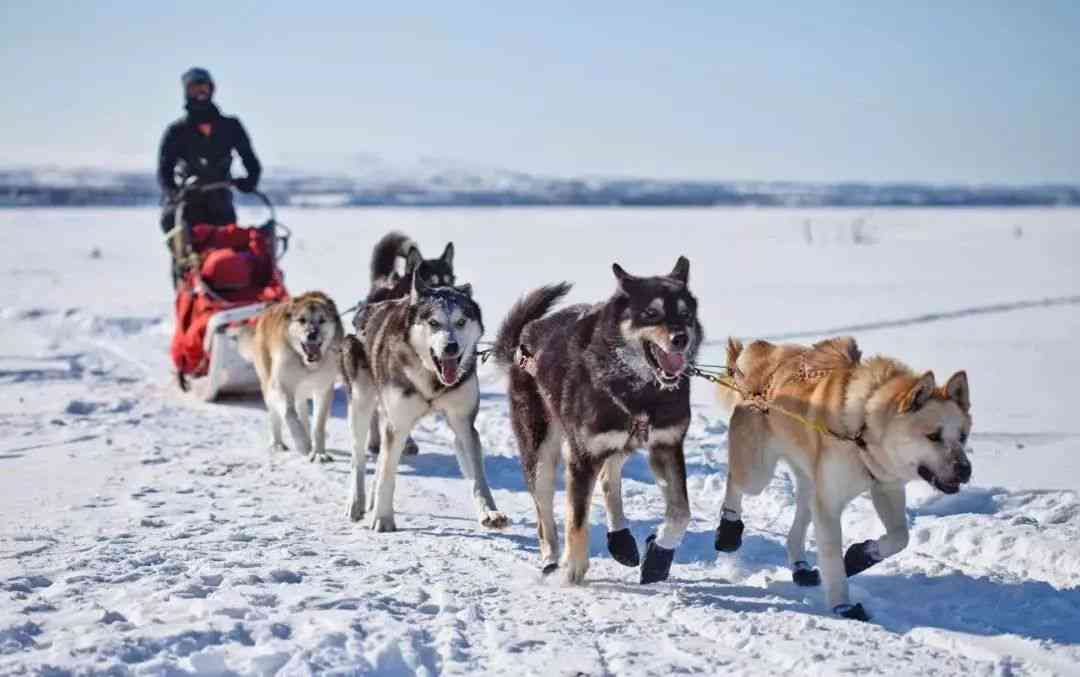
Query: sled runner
(224, 276)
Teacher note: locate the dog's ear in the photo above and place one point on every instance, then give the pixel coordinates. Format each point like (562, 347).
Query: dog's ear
(625, 279)
(448, 254)
(681, 271)
(734, 349)
(465, 289)
(919, 394)
(413, 260)
(419, 286)
(957, 390)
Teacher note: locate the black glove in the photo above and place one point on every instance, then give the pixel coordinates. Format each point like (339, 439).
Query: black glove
(245, 185)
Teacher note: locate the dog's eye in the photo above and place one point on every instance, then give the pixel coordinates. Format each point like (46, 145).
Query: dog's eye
(650, 315)
(302, 320)
(460, 324)
(684, 313)
(434, 324)
(935, 436)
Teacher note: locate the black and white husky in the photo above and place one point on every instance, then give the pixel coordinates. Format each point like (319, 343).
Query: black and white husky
(387, 283)
(605, 379)
(412, 356)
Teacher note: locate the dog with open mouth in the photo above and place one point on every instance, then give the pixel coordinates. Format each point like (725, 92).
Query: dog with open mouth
(598, 382)
(412, 356)
(295, 346)
(862, 425)
(388, 283)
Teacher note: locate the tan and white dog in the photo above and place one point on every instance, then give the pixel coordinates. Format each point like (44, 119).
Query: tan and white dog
(296, 349)
(844, 426)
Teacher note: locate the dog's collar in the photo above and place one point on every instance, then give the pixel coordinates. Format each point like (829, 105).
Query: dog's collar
(876, 471)
(859, 440)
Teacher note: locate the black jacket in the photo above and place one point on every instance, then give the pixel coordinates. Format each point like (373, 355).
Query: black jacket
(209, 158)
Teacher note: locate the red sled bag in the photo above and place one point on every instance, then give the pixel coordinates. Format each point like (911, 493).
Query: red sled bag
(236, 267)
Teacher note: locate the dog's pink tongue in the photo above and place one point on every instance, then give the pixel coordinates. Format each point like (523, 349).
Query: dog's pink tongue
(449, 370)
(672, 363)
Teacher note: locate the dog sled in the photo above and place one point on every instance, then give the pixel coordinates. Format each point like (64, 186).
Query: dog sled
(224, 277)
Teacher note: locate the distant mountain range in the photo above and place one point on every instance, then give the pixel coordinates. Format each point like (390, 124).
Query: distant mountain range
(441, 184)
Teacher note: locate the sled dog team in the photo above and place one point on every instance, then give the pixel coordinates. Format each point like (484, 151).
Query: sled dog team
(589, 384)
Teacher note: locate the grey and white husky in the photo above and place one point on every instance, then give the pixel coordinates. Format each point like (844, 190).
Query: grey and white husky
(387, 283)
(603, 379)
(412, 356)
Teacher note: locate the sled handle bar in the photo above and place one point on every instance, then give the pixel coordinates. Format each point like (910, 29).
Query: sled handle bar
(282, 233)
(185, 190)
(221, 185)
(266, 201)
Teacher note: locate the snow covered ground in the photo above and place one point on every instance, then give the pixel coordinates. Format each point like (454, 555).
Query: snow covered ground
(142, 532)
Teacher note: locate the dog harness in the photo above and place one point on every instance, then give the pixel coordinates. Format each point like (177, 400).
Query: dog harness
(760, 402)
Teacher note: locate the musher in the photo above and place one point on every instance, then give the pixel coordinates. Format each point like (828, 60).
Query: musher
(200, 146)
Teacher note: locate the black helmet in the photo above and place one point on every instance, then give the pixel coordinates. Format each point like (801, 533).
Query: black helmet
(197, 75)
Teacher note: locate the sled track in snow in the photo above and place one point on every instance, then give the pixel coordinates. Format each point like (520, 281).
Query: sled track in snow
(926, 318)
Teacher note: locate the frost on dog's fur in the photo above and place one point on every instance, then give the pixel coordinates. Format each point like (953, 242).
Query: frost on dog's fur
(412, 356)
(605, 379)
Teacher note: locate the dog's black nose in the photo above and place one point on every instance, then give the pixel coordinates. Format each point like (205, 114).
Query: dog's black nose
(451, 348)
(962, 468)
(680, 340)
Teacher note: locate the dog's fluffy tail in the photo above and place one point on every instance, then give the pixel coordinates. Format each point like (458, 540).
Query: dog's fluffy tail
(726, 397)
(384, 256)
(532, 306)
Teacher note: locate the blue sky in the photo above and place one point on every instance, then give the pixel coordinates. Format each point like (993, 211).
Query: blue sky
(869, 91)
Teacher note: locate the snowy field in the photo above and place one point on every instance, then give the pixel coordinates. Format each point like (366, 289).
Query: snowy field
(142, 532)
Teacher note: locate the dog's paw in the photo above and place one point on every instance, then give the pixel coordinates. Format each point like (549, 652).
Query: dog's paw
(657, 564)
(860, 557)
(411, 448)
(320, 456)
(574, 571)
(729, 535)
(383, 525)
(855, 612)
(493, 519)
(805, 576)
(623, 547)
(277, 446)
(355, 511)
